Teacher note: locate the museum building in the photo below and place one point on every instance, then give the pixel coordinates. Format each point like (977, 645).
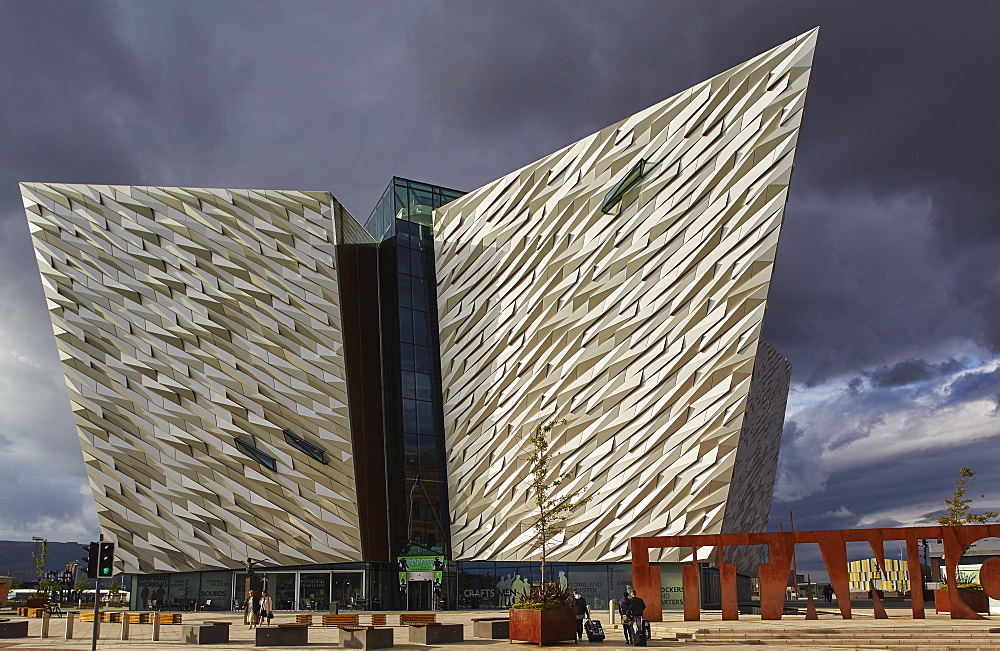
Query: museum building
(258, 378)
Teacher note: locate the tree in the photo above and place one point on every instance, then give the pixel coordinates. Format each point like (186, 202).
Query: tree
(551, 512)
(957, 506)
(45, 584)
(114, 590)
(38, 558)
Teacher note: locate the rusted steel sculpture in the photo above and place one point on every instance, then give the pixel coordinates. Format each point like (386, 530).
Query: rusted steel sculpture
(833, 547)
(811, 604)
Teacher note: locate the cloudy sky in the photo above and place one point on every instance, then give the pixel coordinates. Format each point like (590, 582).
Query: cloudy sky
(886, 296)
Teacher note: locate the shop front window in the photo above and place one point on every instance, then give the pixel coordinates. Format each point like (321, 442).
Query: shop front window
(281, 587)
(314, 591)
(348, 588)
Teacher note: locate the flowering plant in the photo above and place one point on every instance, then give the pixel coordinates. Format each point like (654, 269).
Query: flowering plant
(545, 596)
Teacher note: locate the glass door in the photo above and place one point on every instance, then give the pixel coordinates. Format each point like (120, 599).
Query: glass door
(420, 595)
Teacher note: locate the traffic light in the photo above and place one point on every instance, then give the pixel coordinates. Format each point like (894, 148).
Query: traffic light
(90, 560)
(106, 560)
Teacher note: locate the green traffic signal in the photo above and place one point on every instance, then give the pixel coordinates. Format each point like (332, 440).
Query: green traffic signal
(106, 559)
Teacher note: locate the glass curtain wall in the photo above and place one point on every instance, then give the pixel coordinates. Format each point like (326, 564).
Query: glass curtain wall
(414, 424)
(485, 585)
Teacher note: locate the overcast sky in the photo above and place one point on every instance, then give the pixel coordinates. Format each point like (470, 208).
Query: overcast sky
(886, 295)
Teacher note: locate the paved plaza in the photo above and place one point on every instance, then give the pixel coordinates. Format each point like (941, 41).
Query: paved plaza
(899, 633)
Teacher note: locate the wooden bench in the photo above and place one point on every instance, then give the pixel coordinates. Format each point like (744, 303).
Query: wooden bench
(304, 619)
(340, 620)
(88, 616)
(378, 619)
(418, 620)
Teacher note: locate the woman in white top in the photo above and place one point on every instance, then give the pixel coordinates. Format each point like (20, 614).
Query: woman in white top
(266, 609)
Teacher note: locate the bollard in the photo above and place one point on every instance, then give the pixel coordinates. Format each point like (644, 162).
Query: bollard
(156, 628)
(125, 625)
(70, 618)
(45, 625)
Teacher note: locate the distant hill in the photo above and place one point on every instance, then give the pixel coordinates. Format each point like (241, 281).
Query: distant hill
(15, 557)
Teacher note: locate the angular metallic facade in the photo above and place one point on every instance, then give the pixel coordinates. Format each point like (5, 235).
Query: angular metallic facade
(619, 283)
(247, 381)
(192, 322)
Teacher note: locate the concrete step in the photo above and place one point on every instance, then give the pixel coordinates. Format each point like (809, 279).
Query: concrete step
(868, 645)
(993, 637)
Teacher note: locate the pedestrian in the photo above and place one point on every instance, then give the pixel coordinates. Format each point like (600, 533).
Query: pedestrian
(625, 610)
(266, 609)
(250, 607)
(582, 612)
(828, 593)
(638, 607)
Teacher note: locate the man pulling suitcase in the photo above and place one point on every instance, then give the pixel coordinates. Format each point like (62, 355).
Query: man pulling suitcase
(638, 607)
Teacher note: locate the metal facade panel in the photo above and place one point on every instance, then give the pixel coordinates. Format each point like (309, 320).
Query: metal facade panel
(640, 326)
(187, 319)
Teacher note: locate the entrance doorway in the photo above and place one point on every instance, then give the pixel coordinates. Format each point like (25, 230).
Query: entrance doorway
(419, 593)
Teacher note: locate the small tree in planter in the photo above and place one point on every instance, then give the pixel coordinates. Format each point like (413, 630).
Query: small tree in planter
(956, 512)
(957, 506)
(546, 613)
(550, 511)
(45, 585)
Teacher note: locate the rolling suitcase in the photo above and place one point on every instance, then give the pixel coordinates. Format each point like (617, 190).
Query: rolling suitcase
(641, 633)
(595, 632)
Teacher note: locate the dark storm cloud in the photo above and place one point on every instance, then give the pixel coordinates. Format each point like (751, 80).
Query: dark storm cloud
(975, 386)
(914, 484)
(909, 371)
(886, 451)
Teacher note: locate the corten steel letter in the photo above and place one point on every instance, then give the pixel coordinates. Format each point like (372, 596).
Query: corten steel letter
(646, 579)
(876, 540)
(877, 606)
(692, 595)
(774, 574)
(989, 577)
(833, 547)
(811, 604)
(916, 578)
(730, 598)
(956, 541)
